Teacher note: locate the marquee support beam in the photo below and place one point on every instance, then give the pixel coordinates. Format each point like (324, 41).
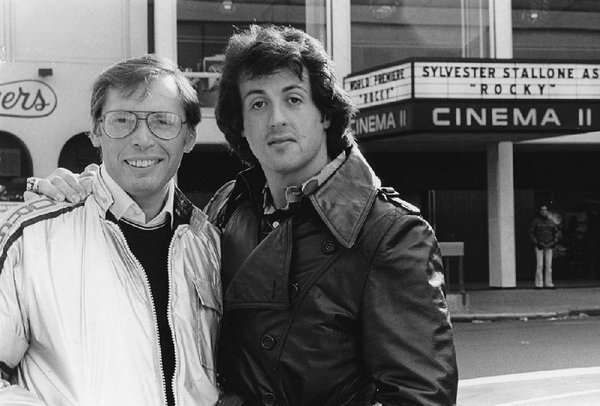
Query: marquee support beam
(501, 215)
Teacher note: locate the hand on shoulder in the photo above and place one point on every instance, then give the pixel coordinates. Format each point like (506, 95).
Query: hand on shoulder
(62, 184)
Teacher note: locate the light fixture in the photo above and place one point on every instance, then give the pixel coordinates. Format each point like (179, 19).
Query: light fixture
(536, 12)
(43, 72)
(227, 7)
(383, 9)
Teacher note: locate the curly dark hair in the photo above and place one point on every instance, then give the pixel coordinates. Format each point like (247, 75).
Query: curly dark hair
(263, 49)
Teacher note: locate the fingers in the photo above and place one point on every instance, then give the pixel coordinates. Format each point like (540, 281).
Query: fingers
(90, 170)
(45, 188)
(71, 179)
(61, 185)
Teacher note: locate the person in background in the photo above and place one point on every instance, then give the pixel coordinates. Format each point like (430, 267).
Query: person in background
(116, 299)
(333, 285)
(544, 235)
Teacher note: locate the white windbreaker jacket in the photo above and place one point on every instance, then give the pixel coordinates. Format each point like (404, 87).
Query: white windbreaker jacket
(77, 323)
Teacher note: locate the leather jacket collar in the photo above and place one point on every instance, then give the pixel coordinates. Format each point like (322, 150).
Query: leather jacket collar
(343, 201)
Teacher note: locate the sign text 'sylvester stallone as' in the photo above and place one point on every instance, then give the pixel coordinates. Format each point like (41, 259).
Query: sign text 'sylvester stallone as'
(482, 80)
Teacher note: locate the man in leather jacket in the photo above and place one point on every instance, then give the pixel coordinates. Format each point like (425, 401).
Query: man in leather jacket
(332, 284)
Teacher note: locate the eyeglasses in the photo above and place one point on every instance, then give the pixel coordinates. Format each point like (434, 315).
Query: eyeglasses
(120, 124)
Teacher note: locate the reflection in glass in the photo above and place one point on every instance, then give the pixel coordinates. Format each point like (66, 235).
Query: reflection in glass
(556, 29)
(203, 28)
(387, 31)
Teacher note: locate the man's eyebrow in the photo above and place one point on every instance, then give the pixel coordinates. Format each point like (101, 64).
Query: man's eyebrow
(295, 87)
(298, 86)
(252, 92)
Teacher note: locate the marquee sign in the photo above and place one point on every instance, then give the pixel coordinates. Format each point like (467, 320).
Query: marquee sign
(380, 86)
(489, 116)
(26, 98)
(470, 95)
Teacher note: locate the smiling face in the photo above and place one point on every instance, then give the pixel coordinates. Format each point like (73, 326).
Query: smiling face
(283, 126)
(141, 163)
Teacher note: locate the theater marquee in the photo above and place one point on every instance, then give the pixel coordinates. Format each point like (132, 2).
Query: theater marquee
(479, 95)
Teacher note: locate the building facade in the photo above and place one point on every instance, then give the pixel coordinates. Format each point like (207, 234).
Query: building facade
(50, 52)
(479, 186)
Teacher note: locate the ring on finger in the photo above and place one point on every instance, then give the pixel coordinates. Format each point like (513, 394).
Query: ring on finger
(33, 184)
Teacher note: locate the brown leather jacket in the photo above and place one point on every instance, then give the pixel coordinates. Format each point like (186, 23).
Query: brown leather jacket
(341, 304)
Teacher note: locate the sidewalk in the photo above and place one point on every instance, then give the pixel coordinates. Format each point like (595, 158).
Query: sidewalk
(524, 303)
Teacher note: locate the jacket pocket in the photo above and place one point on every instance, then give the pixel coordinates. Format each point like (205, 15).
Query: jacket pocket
(209, 296)
(208, 319)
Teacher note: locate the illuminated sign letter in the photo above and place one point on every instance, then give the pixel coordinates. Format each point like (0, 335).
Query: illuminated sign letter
(499, 116)
(550, 116)
(518, 118)
(436, 116)
(472, 115)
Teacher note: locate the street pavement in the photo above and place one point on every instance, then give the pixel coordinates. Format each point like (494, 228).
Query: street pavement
(562, 387)
(524, 303)
(565, 387)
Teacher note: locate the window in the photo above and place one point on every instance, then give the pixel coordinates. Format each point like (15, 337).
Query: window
(15, 167)
(204, 27)
(556, 29)
(387, 31)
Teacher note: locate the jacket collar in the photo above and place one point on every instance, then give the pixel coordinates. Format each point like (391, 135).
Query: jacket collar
(342, 202)
(125, 207)
(184, 212)
(345, 199)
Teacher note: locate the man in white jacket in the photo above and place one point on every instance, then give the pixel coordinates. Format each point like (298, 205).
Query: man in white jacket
(116, 299)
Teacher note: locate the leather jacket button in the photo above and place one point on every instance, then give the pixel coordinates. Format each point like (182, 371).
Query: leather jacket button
(328, 247)
(269, 399)
(294, 290)
(267, 342)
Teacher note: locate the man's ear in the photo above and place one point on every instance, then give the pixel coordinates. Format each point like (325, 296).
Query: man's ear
(95, 136)
(190, 140)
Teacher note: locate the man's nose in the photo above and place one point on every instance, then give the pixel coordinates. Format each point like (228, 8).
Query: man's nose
(278, 116)
(142, 136)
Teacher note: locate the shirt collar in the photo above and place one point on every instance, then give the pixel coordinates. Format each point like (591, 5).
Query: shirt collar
(125, 208)
(293, 193)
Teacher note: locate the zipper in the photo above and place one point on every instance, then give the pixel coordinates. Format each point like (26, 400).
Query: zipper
(170, 316)
(154, 317)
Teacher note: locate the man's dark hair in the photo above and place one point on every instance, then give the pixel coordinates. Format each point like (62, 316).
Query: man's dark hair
(128, 76)
(264, 49)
